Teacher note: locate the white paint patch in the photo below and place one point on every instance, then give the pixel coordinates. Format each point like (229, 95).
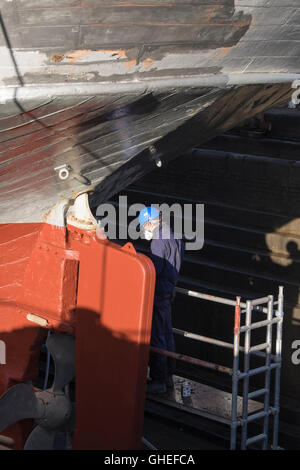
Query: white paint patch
(57, 215)
(22, 58)
(2, 352)
(183, 61)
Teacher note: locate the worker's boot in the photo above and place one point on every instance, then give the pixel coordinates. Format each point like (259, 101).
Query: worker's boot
(156, 386)
(169, 381)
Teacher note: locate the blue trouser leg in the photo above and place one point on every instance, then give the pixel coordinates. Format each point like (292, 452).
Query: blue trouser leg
(162, 338)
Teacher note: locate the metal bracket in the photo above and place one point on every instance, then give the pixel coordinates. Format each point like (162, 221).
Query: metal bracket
(155, 155)
(63, 171)
(80, 214)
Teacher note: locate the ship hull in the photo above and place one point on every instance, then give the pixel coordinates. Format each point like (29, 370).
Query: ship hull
(106, 142)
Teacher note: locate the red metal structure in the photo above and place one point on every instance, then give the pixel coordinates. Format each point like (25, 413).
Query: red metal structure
(67, 280)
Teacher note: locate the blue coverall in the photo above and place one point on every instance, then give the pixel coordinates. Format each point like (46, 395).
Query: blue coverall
(166, 254)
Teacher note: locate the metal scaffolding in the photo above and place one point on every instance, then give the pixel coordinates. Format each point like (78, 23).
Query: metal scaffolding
(272, 313)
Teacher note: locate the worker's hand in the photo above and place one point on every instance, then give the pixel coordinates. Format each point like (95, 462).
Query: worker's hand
(5, 442)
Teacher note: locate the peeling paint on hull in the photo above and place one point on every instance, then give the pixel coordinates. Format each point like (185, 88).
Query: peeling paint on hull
(44, 42)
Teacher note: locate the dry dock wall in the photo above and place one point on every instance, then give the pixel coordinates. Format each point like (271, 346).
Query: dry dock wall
(250, 188)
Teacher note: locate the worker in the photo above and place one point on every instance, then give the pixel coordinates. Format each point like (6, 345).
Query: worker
(166, 254)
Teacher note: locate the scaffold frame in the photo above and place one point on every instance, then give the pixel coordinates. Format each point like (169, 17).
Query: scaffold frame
(273, 317)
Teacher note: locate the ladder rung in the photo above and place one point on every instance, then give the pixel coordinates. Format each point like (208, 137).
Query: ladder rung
(258, 415)
(259, 370)
(259, 324)
(258, 393)
(257, 438)
(262, 300)
(259, 347)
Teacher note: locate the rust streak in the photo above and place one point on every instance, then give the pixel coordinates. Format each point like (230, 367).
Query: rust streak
(57, 58)
(224, 51)
(77, 55)
(121, 53)
(130, 63)
(148, 62)
(213, 11)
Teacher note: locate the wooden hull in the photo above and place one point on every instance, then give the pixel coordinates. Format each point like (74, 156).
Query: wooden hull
(61, 41)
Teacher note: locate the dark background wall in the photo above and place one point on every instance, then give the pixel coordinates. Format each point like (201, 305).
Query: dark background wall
(249, 182)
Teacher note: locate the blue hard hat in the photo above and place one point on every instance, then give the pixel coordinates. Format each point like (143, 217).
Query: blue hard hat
(148, 214)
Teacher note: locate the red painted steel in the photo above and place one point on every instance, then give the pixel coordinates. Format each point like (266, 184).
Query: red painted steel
(113, 326)
(96, 290)
(236, 331)
(237, 315)
(192, 360)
